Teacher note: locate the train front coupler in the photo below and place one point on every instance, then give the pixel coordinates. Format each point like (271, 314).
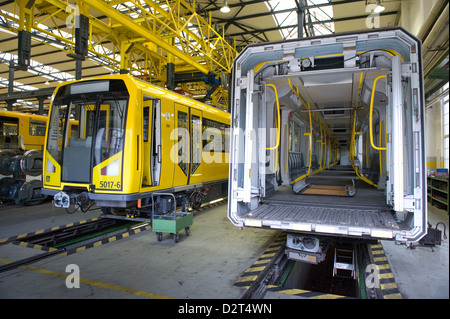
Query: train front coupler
(64, 200)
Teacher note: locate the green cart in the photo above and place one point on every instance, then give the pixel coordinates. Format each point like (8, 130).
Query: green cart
(171, 222)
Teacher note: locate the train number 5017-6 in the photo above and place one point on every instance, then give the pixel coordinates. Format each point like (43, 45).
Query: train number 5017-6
(105, 184)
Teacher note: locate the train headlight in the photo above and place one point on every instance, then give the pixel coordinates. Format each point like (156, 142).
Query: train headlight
(112, 169)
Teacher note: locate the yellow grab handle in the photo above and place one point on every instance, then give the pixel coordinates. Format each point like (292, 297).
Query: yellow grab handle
(279, 118)
(371, 113)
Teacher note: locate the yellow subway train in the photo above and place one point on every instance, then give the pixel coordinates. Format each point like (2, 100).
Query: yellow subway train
(134, 143)
(21, 130)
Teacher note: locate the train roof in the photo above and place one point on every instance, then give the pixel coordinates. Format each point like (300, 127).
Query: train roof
(154, 91)
(22, 114)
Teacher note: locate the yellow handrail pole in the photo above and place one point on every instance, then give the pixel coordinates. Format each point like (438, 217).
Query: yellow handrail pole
(279, 118)
(296, 93)
(371, 115)
(310, 140)
(320, 141)
(325, 148)
(287, 148)
(379, 153)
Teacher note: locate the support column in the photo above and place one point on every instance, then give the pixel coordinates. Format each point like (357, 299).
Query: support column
(41, 105)
(300, 15)
(26, 16)
(170, 67)
(78, 69)
(125, 49)
(300, 18)
(11, 78)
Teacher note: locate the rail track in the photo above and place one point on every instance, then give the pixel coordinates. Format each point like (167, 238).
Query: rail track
(71, 238)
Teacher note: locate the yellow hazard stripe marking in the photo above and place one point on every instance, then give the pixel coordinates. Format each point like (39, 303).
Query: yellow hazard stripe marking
(93, 282)
(83, 248)
(389, 285)
(388, 275)
(267, 255)
(48, 229)
(385, 266)
(380, 259)
(245, 281)
(262, 261)
(393, 296)
(273, 248)
(246, 278)
(253, 269)
(304, 293)
(390, 289)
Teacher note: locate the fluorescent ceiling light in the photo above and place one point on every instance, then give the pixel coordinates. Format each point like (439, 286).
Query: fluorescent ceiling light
(225, 8)
(379, 7)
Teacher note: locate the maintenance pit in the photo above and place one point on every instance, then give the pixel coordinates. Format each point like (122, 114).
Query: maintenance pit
(320, 277)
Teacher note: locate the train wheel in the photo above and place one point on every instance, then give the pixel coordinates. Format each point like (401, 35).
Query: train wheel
(196, 205)
(31, 193)
(31, 163)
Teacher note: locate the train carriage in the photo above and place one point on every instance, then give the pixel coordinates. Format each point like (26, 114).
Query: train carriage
(300, 106)
(134, 140)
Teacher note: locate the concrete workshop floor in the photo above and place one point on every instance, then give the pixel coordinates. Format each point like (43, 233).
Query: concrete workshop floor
(422, 273)
(203, 265)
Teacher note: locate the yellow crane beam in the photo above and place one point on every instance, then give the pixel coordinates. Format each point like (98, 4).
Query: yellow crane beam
(141, 36)
(142, 31)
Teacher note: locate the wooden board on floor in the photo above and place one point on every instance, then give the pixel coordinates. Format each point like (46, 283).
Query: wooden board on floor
(326, 190)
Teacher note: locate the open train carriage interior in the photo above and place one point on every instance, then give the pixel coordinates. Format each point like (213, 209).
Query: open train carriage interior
(328, 136)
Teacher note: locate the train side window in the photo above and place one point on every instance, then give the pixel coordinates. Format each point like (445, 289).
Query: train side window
(37, 128)
(9, 126)
(215, 136)
(56, 130)
(9, 130)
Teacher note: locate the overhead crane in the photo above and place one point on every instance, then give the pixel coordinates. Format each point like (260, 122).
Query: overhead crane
(153, 40)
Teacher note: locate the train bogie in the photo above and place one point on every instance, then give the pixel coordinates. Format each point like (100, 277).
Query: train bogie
(21, 144)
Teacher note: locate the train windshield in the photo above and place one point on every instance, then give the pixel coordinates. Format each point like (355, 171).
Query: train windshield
(100, 132)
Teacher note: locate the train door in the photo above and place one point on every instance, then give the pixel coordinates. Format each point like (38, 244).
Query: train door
(188, 146)
(181, 153)
(196, 146)
(151, 142)
(77, 148)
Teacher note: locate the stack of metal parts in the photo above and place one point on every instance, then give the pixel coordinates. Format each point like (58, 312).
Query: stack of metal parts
(20, 173)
